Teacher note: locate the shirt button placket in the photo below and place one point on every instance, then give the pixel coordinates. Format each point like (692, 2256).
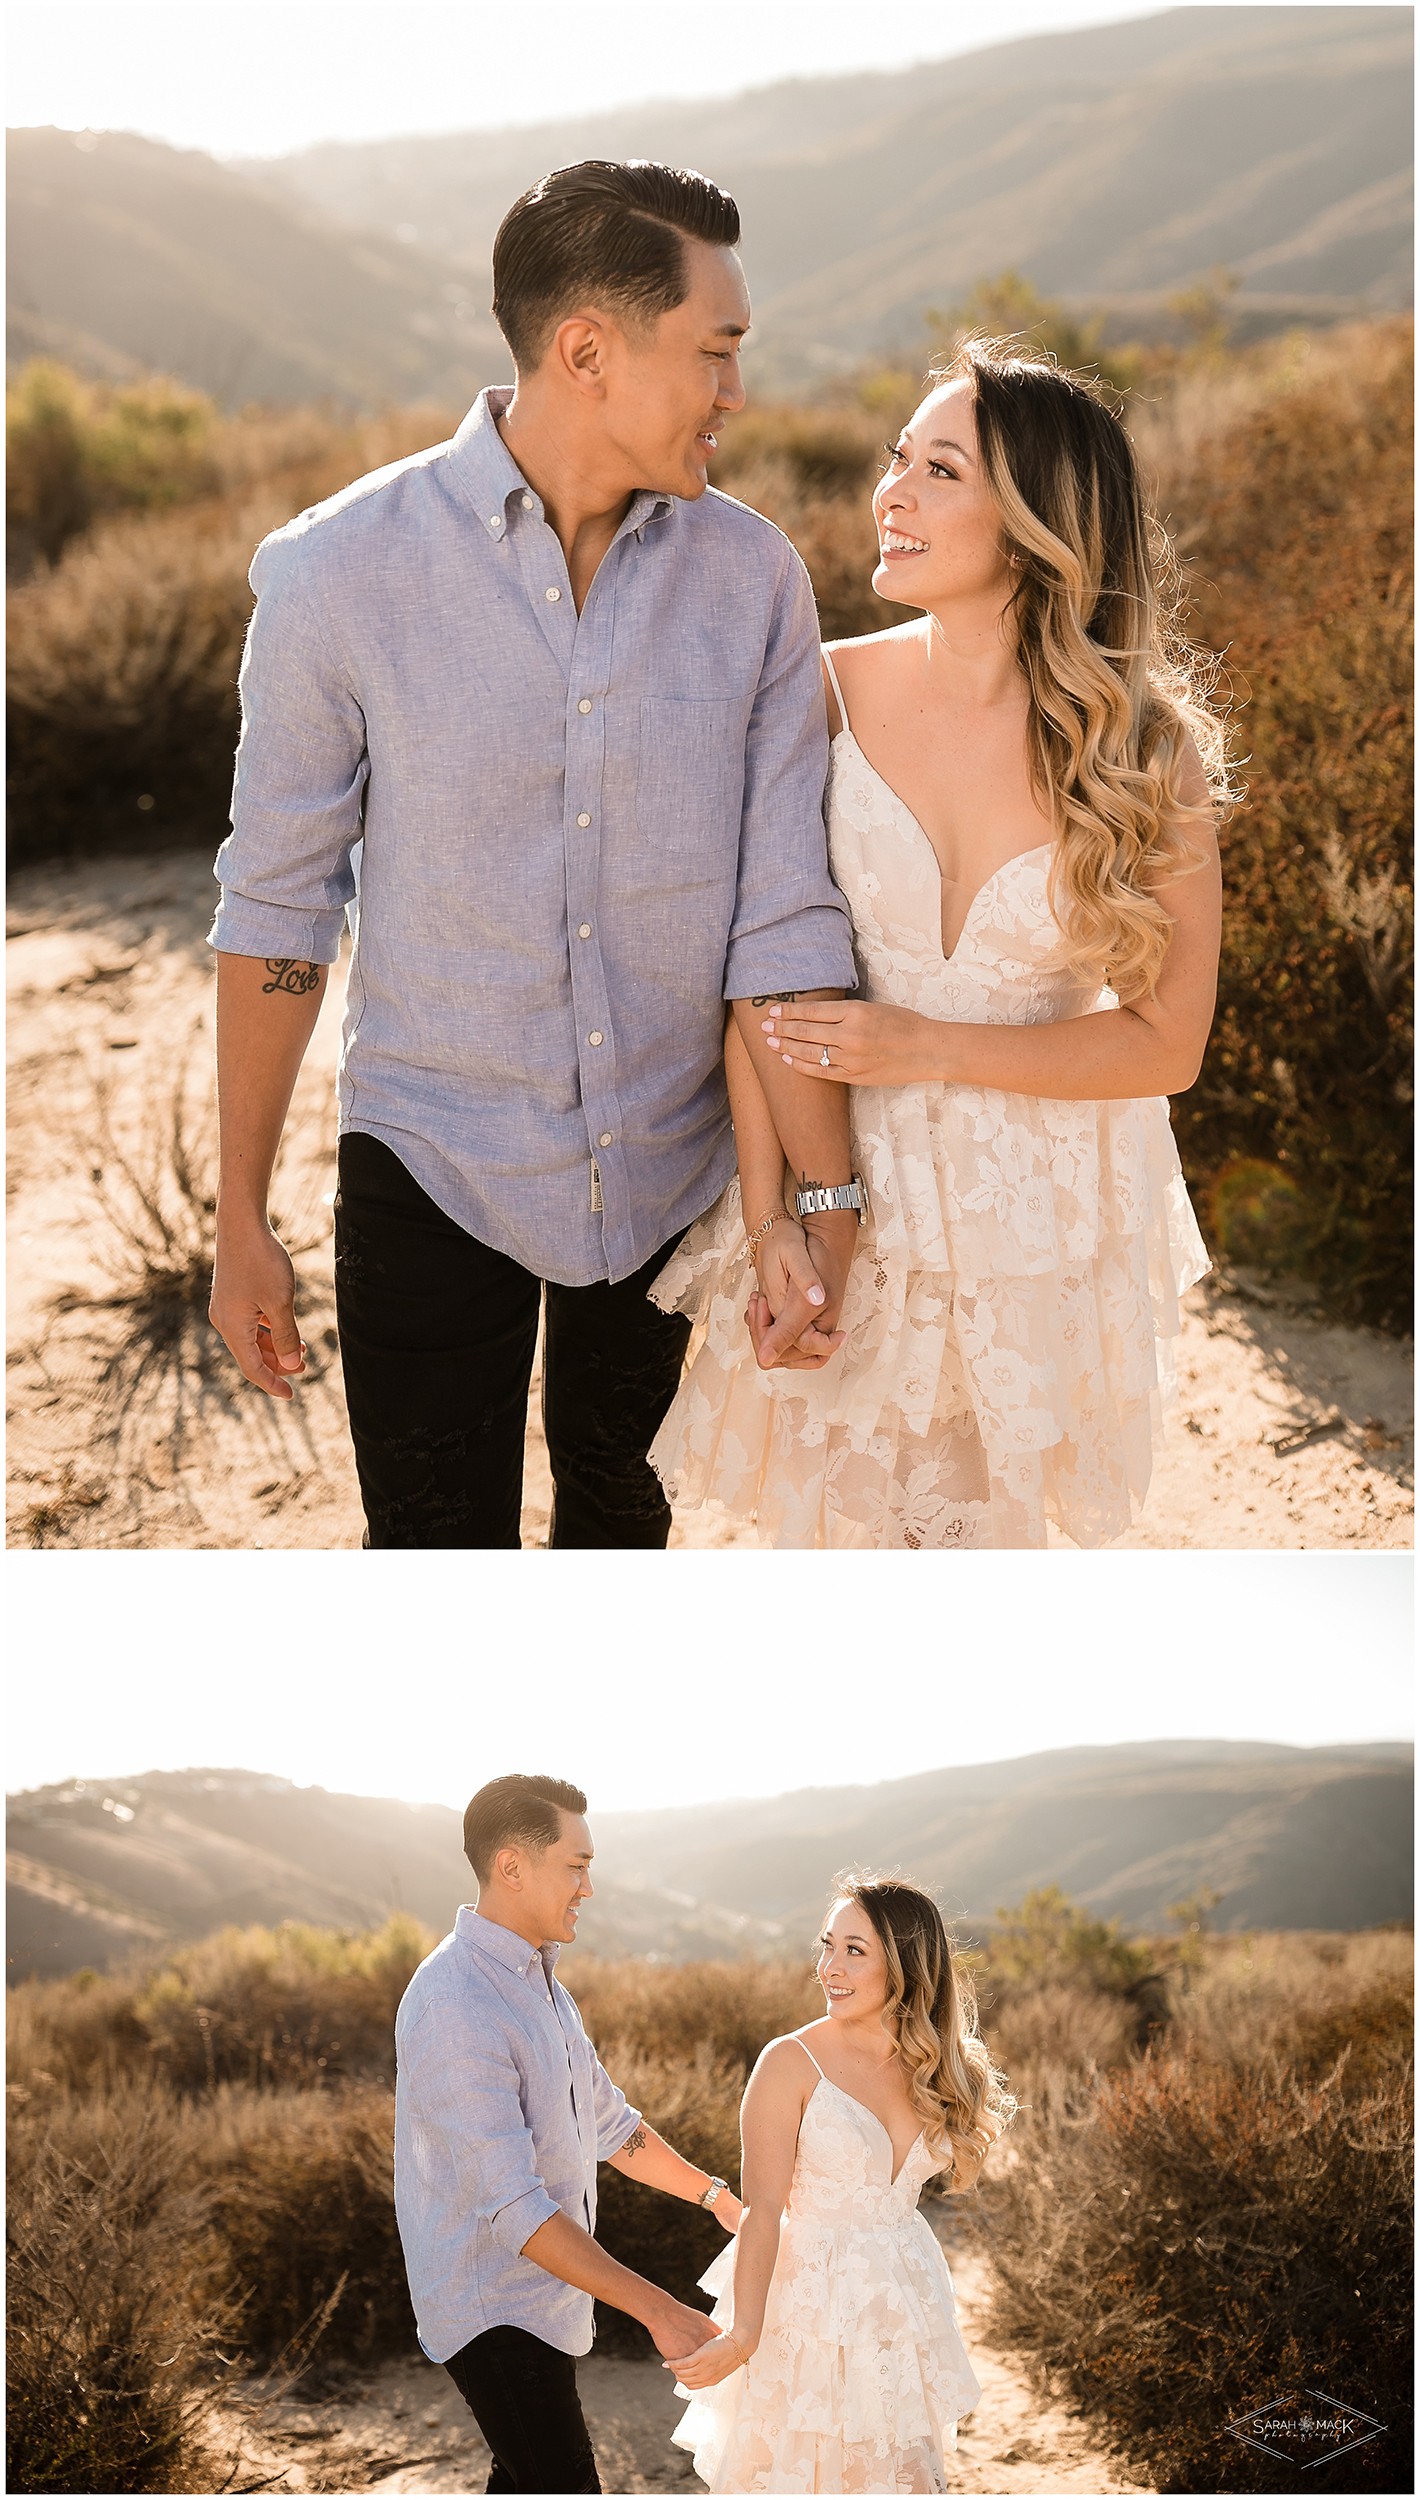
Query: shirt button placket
(586, 733)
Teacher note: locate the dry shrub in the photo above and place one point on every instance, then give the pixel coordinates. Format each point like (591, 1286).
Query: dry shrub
(693, 2101)
(280, 2005)
(1291, 499)
(1047, 2034)
(78, 2034)
(1306, 1999)
(117, 2307)
(301, 2188)
(258, 2005)
(669, 2010)
(1203, 2231)
(123, 654)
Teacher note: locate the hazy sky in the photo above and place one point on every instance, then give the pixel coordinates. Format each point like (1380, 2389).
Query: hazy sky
(249, 77)
(710, 1676)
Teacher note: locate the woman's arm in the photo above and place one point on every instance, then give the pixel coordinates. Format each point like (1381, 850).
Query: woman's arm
(1150, 1046)
(769, 2133)
(757, 1148)
(783, 1264)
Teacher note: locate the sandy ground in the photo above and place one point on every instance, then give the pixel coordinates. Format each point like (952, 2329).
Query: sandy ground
(405, 2428)
(1289, 1432)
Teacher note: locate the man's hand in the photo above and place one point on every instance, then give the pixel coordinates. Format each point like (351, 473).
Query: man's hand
(802, 1335)
(253, 1307)
(677, 2331)
(792, 1289)
(867, 1042)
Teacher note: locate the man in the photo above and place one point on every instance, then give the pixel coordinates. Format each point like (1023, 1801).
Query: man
(502, 2112)
(571, 703)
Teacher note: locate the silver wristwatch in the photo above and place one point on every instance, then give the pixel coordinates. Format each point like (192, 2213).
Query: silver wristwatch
(819, 1199)
(712, 2193)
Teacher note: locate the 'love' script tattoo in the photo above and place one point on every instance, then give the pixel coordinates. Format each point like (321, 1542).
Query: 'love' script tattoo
(297, 979)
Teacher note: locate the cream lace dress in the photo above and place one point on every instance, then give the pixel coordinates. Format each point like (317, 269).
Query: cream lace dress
(1015, 1294)
(860, 2374)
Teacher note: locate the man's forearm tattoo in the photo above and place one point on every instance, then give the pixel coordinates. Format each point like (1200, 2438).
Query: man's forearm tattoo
(297, 979)
(636, 2141)
(785, 998)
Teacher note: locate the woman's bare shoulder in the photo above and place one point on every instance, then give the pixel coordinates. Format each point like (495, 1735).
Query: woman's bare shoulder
(789, 2057)
(861, 656)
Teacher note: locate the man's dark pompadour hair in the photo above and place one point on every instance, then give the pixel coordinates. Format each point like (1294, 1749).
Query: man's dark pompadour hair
(516, 1807)
(605, 234)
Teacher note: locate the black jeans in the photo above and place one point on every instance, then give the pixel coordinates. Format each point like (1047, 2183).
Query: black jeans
(522, 2393)
(437, 1337)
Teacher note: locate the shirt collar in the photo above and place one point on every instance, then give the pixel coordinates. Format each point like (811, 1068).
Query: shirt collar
(500, 1943)
(488, 476)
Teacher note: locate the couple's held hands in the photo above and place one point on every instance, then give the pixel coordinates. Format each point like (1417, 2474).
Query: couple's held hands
(802, 1273)
(715, 2361)
(866, 1043)
(677, 2331)
(253, 1306)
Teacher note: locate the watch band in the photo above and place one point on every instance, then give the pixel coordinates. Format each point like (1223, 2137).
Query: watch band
(713, 2193)
(821, 1199)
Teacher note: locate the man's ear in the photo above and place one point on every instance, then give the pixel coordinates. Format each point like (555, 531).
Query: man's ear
(579, 346)
(508, 1866)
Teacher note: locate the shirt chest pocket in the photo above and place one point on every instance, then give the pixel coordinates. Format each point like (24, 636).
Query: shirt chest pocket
(690, 781)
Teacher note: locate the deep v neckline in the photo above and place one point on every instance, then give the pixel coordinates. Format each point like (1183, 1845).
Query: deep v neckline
(872, 2113)
(981, 892)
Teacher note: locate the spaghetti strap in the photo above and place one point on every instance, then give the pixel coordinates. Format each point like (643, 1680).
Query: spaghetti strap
(803, 2044)
(843, 720)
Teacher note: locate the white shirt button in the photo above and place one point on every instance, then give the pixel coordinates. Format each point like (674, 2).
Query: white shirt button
(553, 594)
(605, 1137)
(586, 703)
(585, 929)
(527, 503)
(596, 1040)
(584, 819)
(495, 520)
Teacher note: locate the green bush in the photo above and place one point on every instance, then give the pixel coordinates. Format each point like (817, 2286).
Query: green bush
(76, 451)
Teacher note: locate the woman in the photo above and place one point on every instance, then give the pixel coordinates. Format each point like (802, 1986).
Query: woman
(839, 2366)
(1021, 795)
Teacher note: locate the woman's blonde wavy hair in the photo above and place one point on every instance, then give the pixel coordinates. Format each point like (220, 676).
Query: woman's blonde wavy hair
(1117, 695)
(930, 2012)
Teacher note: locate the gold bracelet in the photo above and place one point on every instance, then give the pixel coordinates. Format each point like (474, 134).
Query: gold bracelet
(764, 1228)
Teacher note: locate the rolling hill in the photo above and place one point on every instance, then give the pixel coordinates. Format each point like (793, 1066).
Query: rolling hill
(1111, 165)
(1114, 164)
(126, 255)
(1319, 1838)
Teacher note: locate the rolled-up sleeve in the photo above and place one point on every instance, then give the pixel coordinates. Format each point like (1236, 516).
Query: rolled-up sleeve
(615, 2117)
(462, 2096)
(791, 929)
(302, 764)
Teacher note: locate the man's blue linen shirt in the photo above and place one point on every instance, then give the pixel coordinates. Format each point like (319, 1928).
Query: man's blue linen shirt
(502, 2111)
(580, 834)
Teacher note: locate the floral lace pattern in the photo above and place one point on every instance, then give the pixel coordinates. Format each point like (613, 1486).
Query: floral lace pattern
(860, 2375)
(1012, 1306)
